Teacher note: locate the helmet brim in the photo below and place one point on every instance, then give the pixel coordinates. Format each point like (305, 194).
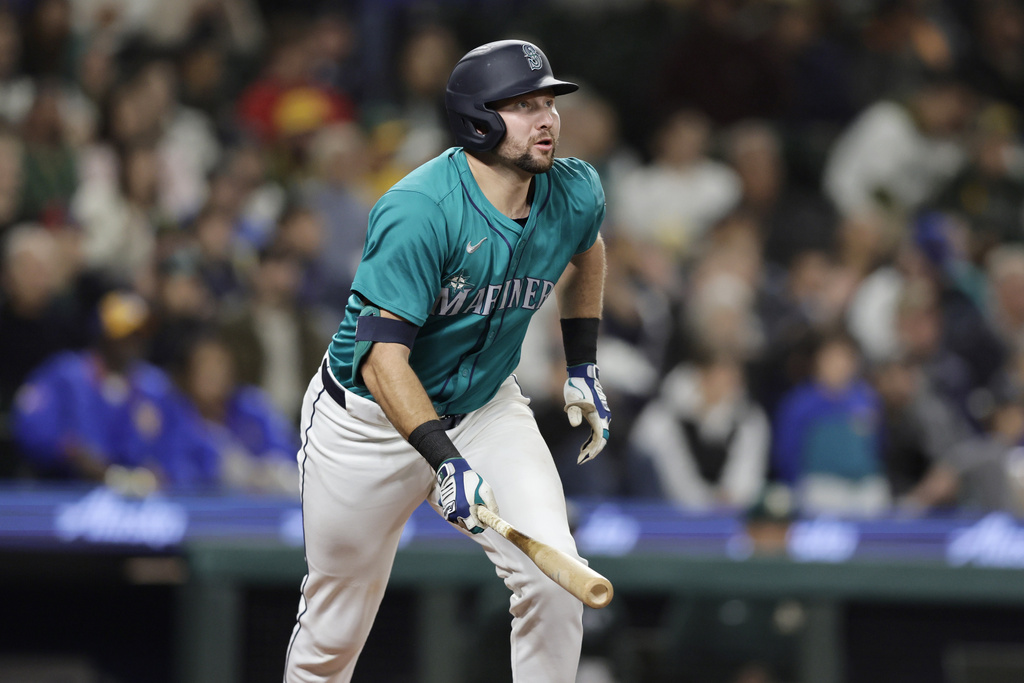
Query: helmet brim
(546, 83)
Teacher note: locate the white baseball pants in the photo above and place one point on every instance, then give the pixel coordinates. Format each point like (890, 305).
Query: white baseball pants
(360, 483)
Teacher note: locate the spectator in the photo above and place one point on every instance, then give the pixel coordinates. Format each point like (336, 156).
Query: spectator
(1005, 310)
(901, 44)
(321, 290)
(50, 167)
(11, 177)
(94, 414)
(286, 100)
(17, 90)
(897, 155)
(814, 64)
(791, 309)
(207, 81)
(424, 67)
(920, 337)
(982, 467)
(119, 21)
(120, 221)
(992, 64)
(668, 205)
(960, 297)
(920, 431)
(241, 188)
(120, 125)
(187, 146)
(720, 304)
(37, 318)
(827, 435)
(183, 308)
(337, 191)
(49, 41)
(792, 220)
(276, 343)
(256, 444)
(223, 259)
(234, 23)
(988, 194)
(864, 242)
(701, 443)
(871, 314)
(931, 269)
(97, 74)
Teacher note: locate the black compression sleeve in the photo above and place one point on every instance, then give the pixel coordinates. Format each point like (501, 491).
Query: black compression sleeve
(579, 338)
(432, 442)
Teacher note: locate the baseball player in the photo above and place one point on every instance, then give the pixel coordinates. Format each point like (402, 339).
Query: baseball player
(416, 398)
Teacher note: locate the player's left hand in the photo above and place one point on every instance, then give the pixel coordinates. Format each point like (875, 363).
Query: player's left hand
(460, 491)
(584, 397)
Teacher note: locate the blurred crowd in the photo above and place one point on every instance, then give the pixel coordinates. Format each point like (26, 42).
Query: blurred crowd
(815, 295)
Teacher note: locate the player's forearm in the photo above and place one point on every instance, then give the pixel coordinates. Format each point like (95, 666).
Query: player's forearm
(581, 289)
(396, 388)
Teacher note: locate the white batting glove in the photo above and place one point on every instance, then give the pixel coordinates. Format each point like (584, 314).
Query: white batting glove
(459, 491)
(584, 397)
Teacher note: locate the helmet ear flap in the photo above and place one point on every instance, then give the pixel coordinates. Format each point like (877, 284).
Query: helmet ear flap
(479, 132)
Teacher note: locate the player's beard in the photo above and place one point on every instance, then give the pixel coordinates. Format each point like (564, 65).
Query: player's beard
(525, 159)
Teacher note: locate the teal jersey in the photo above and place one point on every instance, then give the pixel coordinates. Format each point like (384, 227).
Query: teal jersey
(438, 254)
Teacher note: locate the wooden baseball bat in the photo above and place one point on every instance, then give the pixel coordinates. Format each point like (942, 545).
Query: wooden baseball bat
(580, 580)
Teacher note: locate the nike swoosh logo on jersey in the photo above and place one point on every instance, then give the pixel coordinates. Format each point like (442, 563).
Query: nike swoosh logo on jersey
(470, 248)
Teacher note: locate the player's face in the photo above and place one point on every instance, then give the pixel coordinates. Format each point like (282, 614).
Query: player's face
(531, 131)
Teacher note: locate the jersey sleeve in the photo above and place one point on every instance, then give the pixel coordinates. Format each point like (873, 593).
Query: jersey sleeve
(592, 204)
(404, 255)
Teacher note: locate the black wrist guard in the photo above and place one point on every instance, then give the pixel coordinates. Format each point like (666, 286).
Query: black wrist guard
(432, 442)
(579, 338)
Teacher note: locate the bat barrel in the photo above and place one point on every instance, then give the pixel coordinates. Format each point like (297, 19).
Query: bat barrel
(568, 572)
(598, 592)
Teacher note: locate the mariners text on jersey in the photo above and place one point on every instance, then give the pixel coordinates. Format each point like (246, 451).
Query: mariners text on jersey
(438, 254)
(457, 296)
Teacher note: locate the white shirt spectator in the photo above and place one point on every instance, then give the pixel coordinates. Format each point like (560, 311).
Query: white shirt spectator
(884, 161)
(732, 423)
(673, 206)
(674, 200)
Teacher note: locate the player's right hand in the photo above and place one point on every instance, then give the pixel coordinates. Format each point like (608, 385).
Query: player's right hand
(459, 491)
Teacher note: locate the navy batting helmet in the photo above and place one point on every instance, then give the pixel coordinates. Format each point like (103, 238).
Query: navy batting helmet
(489, 73)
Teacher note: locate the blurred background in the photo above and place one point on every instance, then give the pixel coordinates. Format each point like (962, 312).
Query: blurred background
(813, 341)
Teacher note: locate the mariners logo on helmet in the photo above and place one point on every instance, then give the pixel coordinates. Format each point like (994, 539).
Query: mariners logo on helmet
(533, 57)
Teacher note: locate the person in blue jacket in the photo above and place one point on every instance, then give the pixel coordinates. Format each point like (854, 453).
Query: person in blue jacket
(827, 435)
(256, 442)
(104, 414)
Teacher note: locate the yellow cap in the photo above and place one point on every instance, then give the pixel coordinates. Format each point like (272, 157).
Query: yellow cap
(302, 110)
(122, 314)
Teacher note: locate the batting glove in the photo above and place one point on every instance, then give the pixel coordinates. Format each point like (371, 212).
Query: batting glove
(459, 491)
(584, 397)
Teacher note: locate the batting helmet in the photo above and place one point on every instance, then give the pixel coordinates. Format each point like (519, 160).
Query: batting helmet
(489, 73)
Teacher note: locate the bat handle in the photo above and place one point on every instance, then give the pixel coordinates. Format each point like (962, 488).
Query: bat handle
(492, 520)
